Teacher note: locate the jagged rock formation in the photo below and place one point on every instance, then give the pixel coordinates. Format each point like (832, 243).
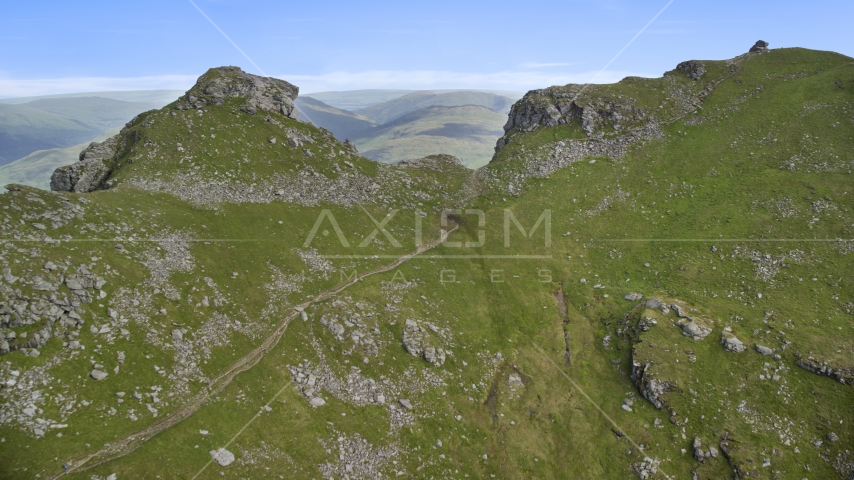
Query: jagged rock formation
(259, 93)
(90, 173)
(760, 46)
(554, 106)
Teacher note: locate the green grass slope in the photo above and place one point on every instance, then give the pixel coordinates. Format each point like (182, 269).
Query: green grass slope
(494, 354)
(466, 132)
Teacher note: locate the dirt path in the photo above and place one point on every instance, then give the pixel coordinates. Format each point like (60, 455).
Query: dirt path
(130, 443)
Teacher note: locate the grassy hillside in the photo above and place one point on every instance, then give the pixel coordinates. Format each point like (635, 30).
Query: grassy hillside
(466, 132)
(676, 215)
(35, 169)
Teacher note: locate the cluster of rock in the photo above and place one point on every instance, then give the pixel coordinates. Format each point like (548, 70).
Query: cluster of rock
(361, 335)
(26, 397)
(646, 468)
(416, 342)
(312, 380)
(701, 455)
(357, 458)
(17, 309)
(259, 93)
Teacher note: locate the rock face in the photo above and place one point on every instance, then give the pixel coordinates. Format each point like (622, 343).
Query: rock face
(650, 387)
(552, 106)
(90, 173)
(760, 46)
(259, 93)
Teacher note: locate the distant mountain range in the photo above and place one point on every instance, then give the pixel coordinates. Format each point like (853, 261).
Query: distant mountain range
(463, 123)
(38, 134)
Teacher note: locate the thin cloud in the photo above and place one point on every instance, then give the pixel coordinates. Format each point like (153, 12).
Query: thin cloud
(545, 65)
(427, 79)
(521, 80)
(16, 87)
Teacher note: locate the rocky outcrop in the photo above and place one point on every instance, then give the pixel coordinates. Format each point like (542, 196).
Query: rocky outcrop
(696, 329)
(760, 46)
(730, 342)
(90, 173)
(258, 93)
(844, 375)
(692, 68)
(650, 387)
(559, 106)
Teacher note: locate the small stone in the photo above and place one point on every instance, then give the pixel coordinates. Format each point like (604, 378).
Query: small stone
(764, 350)
(98, 375)
(633, 297)
(832, 437)
(317, 402)
(405, 403)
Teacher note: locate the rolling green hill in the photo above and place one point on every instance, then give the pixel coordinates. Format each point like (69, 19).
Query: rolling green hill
(24, 129)
(356, 99)
(392, 109)
(648, 280)
(50, 123)
(466, 132)
(342, 123)
(464, 124)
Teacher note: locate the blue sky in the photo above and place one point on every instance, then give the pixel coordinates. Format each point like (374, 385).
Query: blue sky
(49, 47)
